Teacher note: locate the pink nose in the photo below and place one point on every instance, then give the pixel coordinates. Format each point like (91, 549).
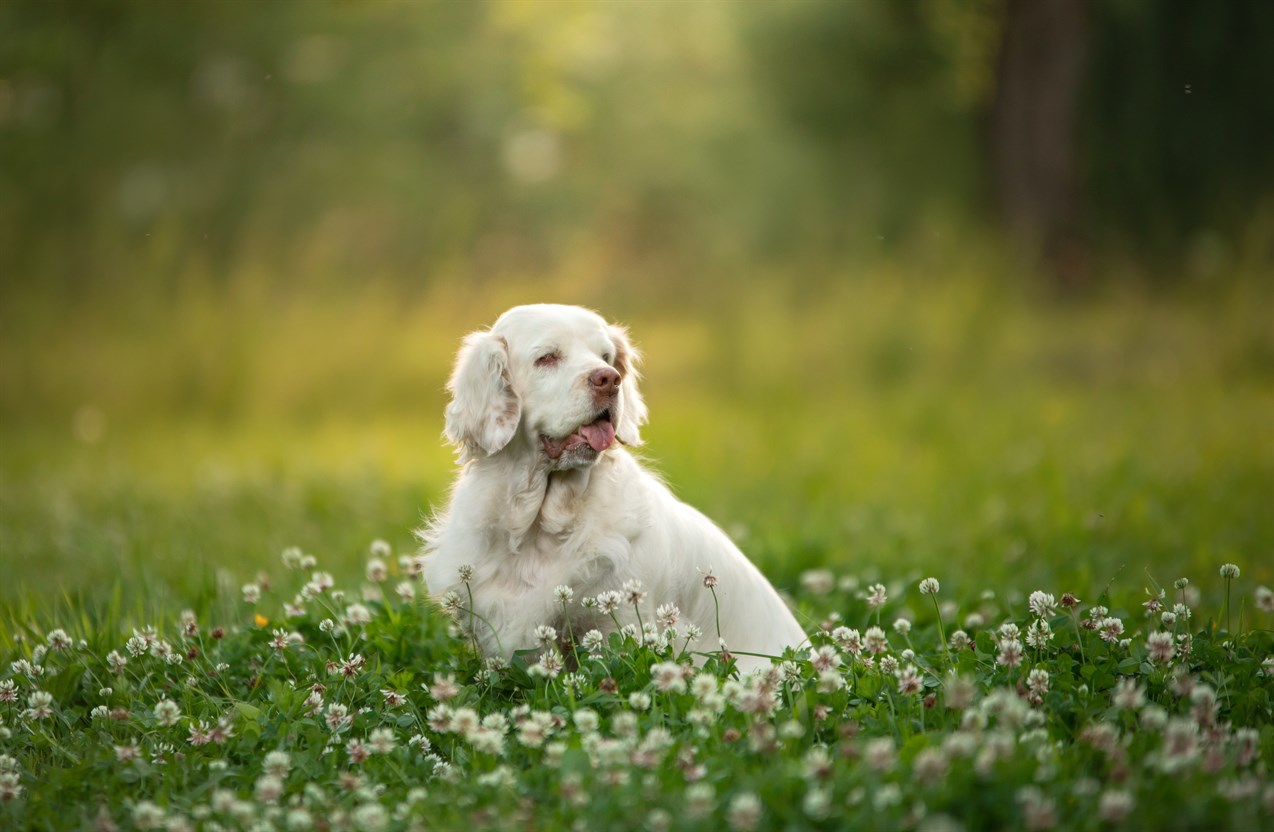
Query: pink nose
(604, 381)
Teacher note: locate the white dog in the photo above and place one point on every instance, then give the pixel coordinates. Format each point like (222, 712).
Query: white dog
(546, 498)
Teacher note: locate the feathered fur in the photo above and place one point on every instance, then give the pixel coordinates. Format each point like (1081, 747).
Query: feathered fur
(591, 517)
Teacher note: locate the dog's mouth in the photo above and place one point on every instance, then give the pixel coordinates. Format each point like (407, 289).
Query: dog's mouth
(597, 435)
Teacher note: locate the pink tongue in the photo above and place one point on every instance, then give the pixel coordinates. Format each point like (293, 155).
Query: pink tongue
(599, 435)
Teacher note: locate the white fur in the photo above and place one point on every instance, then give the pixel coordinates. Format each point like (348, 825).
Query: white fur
(527, 523)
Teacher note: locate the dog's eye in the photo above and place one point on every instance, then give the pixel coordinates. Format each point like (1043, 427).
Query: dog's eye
(606, 357)
(548, 359)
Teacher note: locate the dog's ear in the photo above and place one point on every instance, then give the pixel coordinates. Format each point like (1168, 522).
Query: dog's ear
(632, 409)
(484, 410)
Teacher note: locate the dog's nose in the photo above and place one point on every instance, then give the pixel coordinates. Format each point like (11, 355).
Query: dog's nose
(604, 381)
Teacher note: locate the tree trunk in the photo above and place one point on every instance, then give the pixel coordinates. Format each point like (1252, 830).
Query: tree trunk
(1033, 138)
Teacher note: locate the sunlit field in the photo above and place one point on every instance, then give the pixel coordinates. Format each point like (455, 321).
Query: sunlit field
(890, 423)
(165, 669)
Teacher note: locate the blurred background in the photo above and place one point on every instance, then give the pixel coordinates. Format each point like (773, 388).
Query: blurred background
(940, 282)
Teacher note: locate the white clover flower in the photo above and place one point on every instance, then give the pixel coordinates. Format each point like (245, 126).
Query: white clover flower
(667, 615)
(1038, 809)
(633, 592)
(268, 788)
(1110, 629)
(902, 626)
(830, 681)
(167, 712)
(639, 701)
(703, 685)
(959, 640)
(586, 720)
(816, 803)
(700, 799)
(337, 717)
(1229, 570)
(1264, 599)
(1128, 695)
(609, 601)
(405, 591)
(668, 677)
(58, 640)
(550, 663)
(593, 641)
(876, 596)
(930, 766)
(370, 817)
(818, 581)
(1037, 680)
(824, 657)
(10, 786)
(277, 763)
(1039, 634)
(1161, 646)
(744, 812)
(875, 641)
(1115, 805)
(850, 640)
(929, 586)
(39, 705)
(909, 680)
(879, 754)
(563, 594)
(1042, 604)
(146, 815)
(381, 740)
(545, 635)
(251, 593)
(357, 615)
(380, 549)
(1010, 653)
(377, 571)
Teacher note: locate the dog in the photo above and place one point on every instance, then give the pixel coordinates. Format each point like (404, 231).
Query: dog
(544, 406)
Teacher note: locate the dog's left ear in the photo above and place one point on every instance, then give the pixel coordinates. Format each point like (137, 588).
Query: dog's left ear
(632, 409)
(484, 410)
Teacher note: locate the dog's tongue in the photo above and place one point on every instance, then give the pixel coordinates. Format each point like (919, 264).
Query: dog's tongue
(599, 435)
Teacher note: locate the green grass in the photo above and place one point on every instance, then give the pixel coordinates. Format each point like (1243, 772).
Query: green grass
(882, 422)
(157, 456)
(376, 715)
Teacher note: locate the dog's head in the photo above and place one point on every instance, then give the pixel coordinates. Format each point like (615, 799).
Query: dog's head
(556, 381)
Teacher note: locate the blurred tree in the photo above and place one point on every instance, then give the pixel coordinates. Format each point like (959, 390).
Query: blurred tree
(1135, 125)
(1032, 147)
(145, 143)
(1177, 129)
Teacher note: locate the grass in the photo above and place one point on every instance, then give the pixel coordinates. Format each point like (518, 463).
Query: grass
(375, 714)
(159, 457)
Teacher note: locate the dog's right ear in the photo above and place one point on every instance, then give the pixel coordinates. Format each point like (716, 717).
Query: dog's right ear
(484, 410)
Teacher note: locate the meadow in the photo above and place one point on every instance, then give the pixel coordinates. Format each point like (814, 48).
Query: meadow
(163, 668)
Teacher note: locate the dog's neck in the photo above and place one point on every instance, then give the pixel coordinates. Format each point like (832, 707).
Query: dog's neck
(534, 500)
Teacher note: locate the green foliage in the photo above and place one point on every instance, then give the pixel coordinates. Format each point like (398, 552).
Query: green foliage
(324, 712)
(330, 142)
